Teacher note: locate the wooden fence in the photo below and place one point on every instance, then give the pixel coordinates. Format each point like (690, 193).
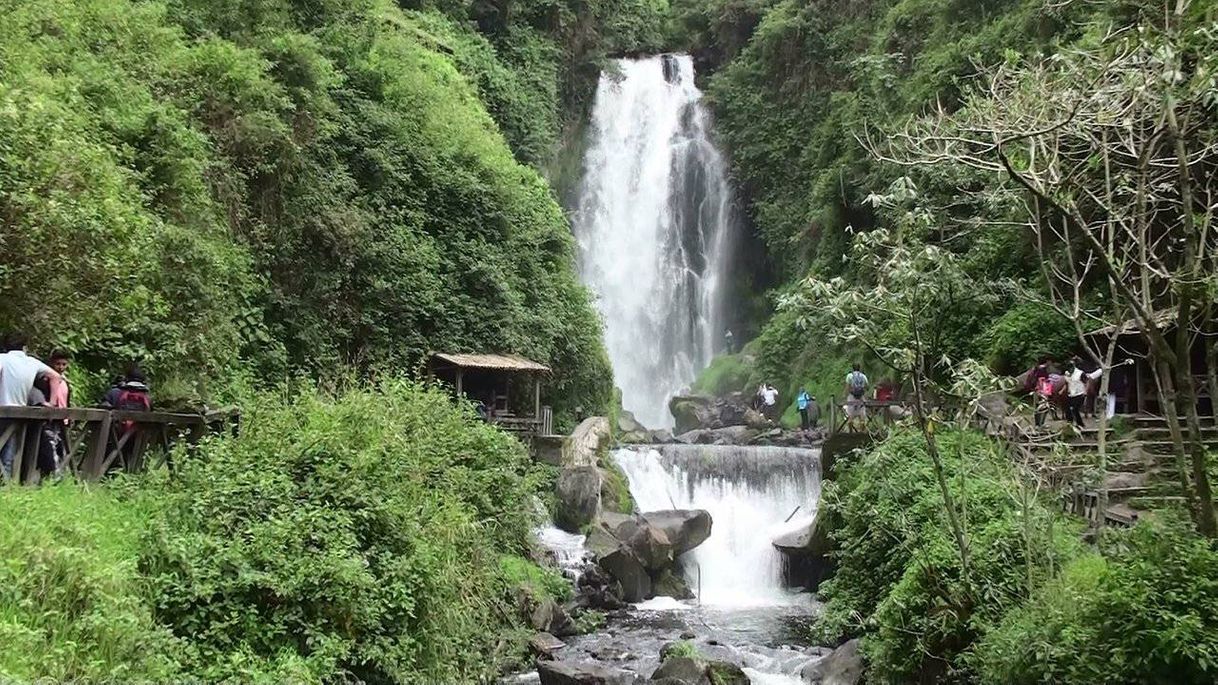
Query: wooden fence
(102, 441)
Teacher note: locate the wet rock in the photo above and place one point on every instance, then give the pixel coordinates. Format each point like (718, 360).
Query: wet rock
(544, 645)
(549, 617)
(575, 673)
(610, 654)
(586, 443)
(651, 545)
(682, 669)
(685, 528)
(598, 590)
(843, 666)
(626, 569)
(756, 420)
(697, 436)
(688, 635)
(626, 423)
(732, 435)
(806, 551)
(578, 497)
(725, 673)
(669, 584)
(662, 436)
(614, 521)
(692, 412)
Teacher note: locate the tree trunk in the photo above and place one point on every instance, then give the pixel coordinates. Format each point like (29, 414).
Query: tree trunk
(932, 448)
(1167, 404)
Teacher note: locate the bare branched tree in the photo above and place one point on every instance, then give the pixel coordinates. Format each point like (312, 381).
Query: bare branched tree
(1113, 150)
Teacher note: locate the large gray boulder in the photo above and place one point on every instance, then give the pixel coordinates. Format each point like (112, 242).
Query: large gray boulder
(733, 435)
(843, 666)
(586, 443)
(693, 411)
(667, 583)
(578, 494)
(681, 669)
(806, 552)
(579, 673)
(628, 570)
(685, 528)
(652, 546)
(551, 618)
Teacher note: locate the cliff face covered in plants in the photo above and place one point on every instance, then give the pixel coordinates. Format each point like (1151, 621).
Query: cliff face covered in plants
(227, 190)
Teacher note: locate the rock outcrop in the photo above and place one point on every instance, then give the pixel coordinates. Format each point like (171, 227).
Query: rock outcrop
(551, 618)
(843, 666)
(578, 673)
(587, 442)
(806, 550)
(578, 495)
(685, 528)
(639, 552)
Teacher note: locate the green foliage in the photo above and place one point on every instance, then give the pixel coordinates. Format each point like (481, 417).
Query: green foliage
(683, 649)
(214, 188)
(615, 489)
(727, 373)
(360, 535)
(899, 581)
(1146, 611)
(73, 606)
(1024, 334)
(538, 581)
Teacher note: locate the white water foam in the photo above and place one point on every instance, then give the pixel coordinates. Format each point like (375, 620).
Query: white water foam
(654, 222)
(751, 494)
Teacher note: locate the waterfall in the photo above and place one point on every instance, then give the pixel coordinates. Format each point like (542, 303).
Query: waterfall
(653, 222)
(750, 492)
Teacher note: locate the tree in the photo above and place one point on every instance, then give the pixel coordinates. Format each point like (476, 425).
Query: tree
(1112, 149)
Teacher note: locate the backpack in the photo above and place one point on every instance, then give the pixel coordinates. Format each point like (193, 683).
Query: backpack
(858, 384)
(132, 399)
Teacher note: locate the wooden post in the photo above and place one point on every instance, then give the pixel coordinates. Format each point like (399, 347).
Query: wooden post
(536, 396)
(460, 373)
(97, 455)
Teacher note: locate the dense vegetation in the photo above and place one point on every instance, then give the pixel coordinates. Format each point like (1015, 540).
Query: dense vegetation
(227, 190)
(1035, 605)
(376, 534)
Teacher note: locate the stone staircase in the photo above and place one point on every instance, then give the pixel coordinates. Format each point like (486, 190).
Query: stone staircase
(1141, 473)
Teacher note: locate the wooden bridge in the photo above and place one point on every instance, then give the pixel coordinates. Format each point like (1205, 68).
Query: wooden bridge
(102, 441)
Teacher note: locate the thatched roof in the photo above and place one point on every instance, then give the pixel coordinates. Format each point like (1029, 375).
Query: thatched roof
(494, 362)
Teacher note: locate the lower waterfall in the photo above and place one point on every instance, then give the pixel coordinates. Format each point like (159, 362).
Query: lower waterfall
(753, 495)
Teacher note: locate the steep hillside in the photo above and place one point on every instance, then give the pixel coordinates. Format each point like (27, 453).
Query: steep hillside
(248, 190)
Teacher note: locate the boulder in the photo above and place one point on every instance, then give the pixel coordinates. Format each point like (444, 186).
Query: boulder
(544, 645)
(669, 584)
(756, 420)
(662, 436)
(731, 414)
(578, 497)
(726, 673)
(651, 545)
(576, 673)
(732, 435)
(550, 618)
(806, 550)
(626, 569)
(614, 521)
(599, 590)
(685, 528)
(843, 666)
(692, 412)
(697, 436)
(681, 669)
(586, 443)
(626, 423)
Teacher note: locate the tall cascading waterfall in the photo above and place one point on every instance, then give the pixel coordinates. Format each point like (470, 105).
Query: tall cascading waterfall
(654, 222)
(753, 494)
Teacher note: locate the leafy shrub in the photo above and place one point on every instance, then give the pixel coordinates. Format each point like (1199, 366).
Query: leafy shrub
(1146, 611)
(899, 581)
(73, 606)
(360, 535)
(1019, 338)
(539, 581)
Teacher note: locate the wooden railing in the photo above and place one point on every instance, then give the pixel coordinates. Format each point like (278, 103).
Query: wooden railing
(101, 441)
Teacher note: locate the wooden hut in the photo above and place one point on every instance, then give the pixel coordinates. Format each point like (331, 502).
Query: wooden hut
(1142, 395)
(507, 385)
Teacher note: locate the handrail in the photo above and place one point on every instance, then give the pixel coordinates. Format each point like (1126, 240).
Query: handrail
(92, 442)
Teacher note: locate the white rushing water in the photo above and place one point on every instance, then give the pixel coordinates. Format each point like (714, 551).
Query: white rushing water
(753, 494)
(654, 223)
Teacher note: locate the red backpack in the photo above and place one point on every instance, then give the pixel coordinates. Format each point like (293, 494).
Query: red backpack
(132, 399)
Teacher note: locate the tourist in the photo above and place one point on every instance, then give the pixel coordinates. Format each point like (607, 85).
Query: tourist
(60, 360)
(769, 400)
(1044, 399)
(729, 342)
(1076, 390)
(48, 435)
(18, 371)
(802, 402)
(759, 398)
(1118, 387)
(856, 383)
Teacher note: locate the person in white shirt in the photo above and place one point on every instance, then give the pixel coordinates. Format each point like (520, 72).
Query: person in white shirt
(18, 371)
(1076, 388)
(769, 398)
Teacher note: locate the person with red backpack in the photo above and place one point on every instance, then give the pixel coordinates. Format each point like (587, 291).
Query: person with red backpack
(129, 394)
